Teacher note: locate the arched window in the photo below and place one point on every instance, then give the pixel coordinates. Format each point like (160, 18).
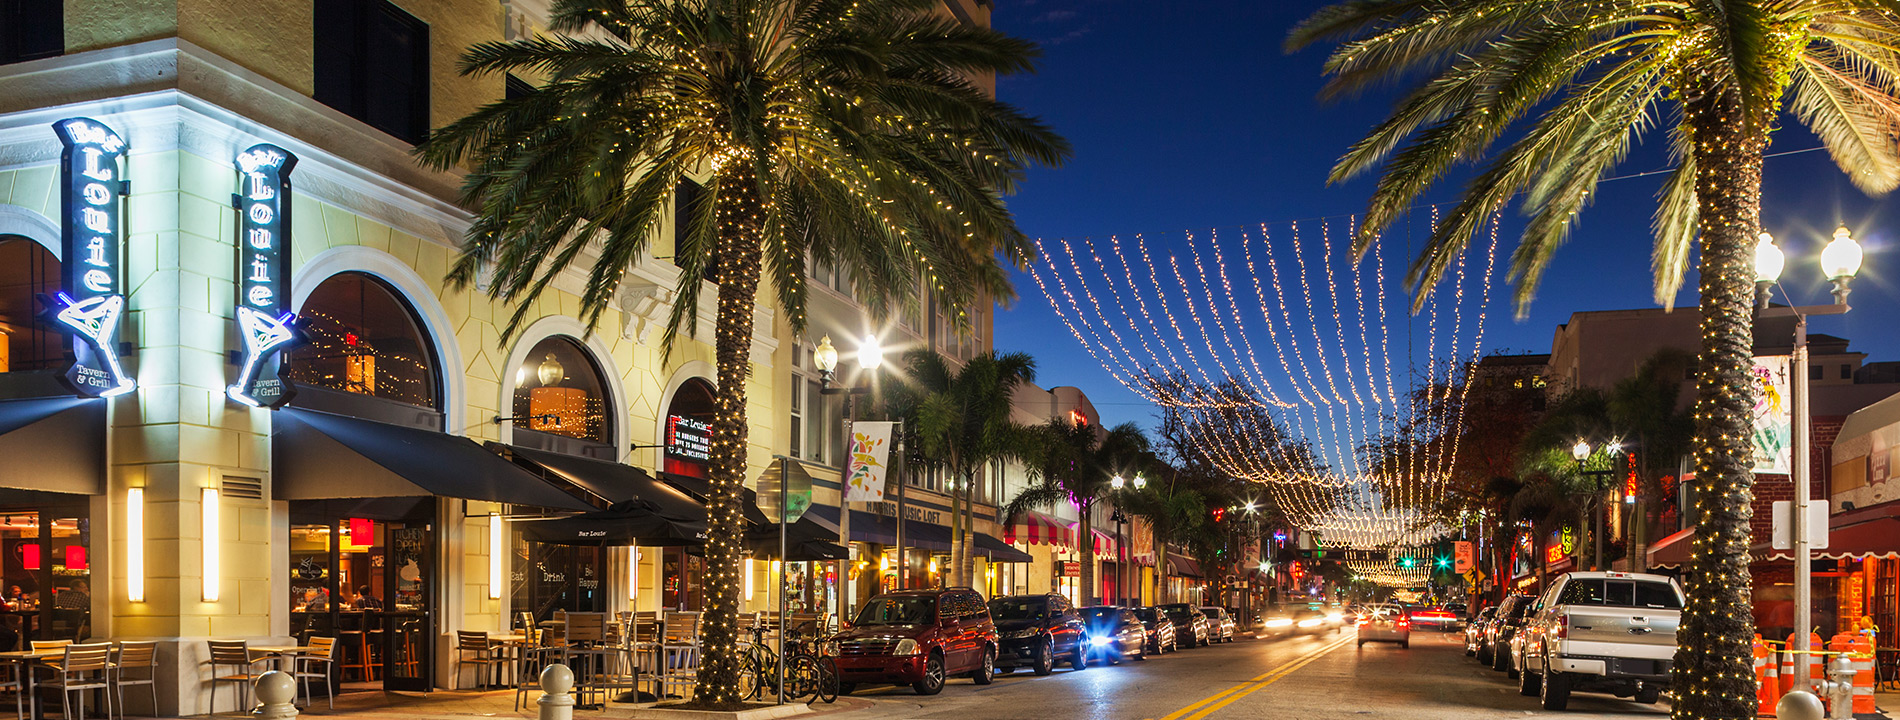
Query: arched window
(559, 390)
(27, 344)
(689, 428)
(363, 338)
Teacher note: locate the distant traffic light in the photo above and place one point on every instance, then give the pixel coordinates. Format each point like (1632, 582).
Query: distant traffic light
(1444, 563)
(1406, 562)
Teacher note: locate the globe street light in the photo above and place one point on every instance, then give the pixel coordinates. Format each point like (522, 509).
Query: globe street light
(1580, 451)
(870, 357)
(1840, 261)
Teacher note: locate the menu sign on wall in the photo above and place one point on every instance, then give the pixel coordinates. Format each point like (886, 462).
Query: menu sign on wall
(92, 301)
(688, 445)
(263, 272)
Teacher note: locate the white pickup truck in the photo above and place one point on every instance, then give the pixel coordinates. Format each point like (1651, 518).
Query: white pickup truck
(1599, 632)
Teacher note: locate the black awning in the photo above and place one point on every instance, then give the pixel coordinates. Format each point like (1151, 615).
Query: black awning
(54, 444)
(320, 456)
(999, 551)
(612, 482)
(808, 539)
(628, 522)
(882, 529)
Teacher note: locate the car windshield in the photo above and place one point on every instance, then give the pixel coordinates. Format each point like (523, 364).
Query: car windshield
(1177, 609)
(1620, 593)
(1148, 614)
(1101, 616)
(1212, 613)
(898, 611)
(1018, 608)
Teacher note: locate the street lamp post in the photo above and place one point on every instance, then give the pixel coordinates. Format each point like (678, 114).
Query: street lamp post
(1581, 451)
(870, 357)
(1840, 261)
(1123, 557)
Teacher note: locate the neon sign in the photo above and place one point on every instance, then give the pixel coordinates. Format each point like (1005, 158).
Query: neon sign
(92, 302)
(263, 314)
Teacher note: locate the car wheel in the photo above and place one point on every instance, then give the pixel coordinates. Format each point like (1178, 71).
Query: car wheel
(1081, 659)
(1142, 655)
(1362, 643)
(1483, 655)
(1554, 691)
(1501, 661)
(986, 673)
(1405, 643)
(1527, 684)
(1648, 694)
(1045, 657)
(1113, 657)
(845, 688)
(933, 676)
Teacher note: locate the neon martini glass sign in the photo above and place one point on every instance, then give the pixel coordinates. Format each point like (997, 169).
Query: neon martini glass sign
(92, 303)
(265, 323)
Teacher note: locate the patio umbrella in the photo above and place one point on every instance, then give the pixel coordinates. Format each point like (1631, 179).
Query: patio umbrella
(628, 522)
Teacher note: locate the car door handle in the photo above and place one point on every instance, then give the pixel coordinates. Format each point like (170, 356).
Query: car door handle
(1639, 631)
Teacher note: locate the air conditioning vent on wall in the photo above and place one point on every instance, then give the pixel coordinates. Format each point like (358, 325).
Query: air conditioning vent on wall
(241, 488)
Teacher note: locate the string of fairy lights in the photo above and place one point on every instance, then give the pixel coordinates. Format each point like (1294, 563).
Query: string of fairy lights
(1283, 356)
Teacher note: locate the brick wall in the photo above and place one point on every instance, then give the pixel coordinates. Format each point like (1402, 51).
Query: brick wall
(1770, 488)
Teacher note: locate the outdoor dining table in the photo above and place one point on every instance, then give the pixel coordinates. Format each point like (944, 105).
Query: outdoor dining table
(26, 659)
(504, 671)
(286, 655)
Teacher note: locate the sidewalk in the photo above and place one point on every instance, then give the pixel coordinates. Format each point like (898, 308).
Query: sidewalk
(463, 704)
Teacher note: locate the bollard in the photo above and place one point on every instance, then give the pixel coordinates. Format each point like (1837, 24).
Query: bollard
(276, 696)
(1799, 705)
(557, 682)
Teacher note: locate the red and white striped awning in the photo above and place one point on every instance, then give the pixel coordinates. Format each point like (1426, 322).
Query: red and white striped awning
(1034, 528)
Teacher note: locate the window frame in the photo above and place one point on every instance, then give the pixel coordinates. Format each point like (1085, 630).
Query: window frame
(361, 75)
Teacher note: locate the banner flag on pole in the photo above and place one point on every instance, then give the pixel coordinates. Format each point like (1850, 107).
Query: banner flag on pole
(870, 458)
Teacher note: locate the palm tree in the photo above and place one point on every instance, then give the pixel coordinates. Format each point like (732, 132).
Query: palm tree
(1587, 79)
(964, 426)
(849, 132)
(1175, 512)
(1077, 462)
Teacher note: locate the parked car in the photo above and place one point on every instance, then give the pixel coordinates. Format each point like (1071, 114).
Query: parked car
(1159, 628)
(1114, 633)
(1220, 624)
(1038, 631)
(1474, 630)
(1385, 623)
(918, 638)
(1190, 624)
(1605, 632)
(1496, 646)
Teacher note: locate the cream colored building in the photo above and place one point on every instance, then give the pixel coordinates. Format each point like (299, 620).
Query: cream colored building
(413, 436)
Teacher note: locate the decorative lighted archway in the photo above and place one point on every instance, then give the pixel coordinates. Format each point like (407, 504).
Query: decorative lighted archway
(573, 329)
(421, 297)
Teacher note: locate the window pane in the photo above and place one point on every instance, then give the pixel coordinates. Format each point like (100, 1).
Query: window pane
(1656, 595)
(363, 339)
(27, 344)
(1582, 592)
(559, 390)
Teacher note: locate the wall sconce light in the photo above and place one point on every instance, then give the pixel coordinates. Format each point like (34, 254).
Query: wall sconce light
(208, 502)
(135, 544)
(497, 532)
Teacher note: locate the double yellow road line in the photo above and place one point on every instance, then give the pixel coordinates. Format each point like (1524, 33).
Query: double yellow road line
(1222, 699)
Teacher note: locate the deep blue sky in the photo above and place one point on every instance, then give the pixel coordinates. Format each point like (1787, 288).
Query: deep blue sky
(1195, 119)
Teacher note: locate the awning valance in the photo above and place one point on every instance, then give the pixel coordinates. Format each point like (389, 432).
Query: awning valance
(1672, 551)
(1862, 536)
(320, 456)
(1034, 528)
(55, 444)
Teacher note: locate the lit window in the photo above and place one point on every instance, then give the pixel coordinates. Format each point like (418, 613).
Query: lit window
(363, 339)
(559, 390)
(27, 344)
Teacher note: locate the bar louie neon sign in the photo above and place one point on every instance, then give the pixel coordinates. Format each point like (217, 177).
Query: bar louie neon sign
(92, 303)
(265, 323)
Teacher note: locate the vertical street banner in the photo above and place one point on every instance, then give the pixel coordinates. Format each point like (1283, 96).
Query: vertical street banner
(263, 312)
(1773, 432)
(869, 462)
(1461, 556)
(91, 303)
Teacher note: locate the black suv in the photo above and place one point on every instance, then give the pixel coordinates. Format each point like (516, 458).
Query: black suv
(1036, 630)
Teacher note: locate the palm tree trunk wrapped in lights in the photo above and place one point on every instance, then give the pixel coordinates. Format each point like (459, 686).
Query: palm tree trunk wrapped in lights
(1583, 81)
(850, 133)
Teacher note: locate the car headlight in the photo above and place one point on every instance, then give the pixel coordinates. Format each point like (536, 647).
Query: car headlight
(1100, 640)
(1020, 634)
(1279, 622)
(1310, 622)
(905, 646)
(1335, 617)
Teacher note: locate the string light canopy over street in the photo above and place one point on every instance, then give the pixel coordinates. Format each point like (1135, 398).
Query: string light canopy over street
(1291, 362)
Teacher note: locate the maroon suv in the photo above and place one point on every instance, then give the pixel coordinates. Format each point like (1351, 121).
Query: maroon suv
(918, 638)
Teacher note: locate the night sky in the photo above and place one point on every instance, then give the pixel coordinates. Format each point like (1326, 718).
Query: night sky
(1195, 120)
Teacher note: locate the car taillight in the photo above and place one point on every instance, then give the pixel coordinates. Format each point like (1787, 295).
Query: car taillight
(1363, 621)
(1405, 622)
(1563, 627)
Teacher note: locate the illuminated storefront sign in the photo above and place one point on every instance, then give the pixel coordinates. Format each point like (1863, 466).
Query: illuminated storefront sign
(689, 438)
(263, 311)
(92, 302)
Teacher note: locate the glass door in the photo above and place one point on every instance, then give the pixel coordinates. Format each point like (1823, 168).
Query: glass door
(408, 619)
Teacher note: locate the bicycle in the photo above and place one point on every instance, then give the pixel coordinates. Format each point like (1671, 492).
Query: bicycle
(806, 673)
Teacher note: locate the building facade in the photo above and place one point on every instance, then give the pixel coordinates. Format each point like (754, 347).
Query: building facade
(222, 168)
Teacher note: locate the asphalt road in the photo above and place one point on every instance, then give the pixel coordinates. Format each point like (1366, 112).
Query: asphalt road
(1323, 678)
